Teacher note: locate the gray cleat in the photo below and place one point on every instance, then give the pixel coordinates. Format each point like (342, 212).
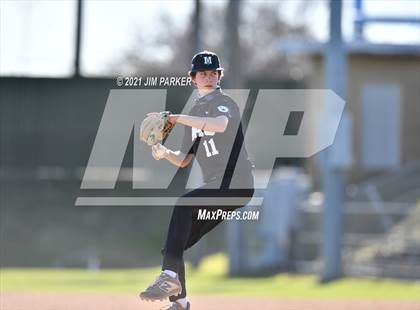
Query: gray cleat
(163, 287)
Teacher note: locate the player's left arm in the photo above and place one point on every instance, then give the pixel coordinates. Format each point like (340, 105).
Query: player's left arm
(215, 124)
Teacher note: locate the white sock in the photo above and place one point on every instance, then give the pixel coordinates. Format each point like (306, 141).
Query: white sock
(170, 273)
(182, 302)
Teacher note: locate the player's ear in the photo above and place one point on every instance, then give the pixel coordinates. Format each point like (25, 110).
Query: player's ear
(220, 73)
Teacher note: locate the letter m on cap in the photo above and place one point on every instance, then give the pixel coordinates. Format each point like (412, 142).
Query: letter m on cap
(207, 60)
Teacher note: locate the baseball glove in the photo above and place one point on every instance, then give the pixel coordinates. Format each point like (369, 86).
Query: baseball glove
(155, 127)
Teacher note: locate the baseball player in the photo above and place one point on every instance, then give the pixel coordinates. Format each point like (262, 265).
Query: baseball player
(213, 134)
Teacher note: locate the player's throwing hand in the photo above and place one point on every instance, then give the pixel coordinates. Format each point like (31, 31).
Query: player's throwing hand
(158, 151)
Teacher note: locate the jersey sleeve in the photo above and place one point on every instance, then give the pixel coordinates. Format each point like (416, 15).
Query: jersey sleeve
(230, 109)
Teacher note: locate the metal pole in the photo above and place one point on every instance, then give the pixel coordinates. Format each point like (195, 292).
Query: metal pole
(358, 21)
(232, 45)
(234, 235)
(332, 180)
(78, 38)
(199, 250)
(197, 41)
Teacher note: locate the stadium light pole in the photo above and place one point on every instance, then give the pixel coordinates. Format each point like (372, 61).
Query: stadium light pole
(197, 28)
(78, 37)
(331, 176)
(235, 239)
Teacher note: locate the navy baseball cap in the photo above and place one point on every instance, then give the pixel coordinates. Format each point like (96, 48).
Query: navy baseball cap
(205, 61)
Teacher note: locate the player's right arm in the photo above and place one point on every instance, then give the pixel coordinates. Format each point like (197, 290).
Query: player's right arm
(177, 158)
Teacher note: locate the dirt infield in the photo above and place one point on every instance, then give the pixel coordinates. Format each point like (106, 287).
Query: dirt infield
(77, 301)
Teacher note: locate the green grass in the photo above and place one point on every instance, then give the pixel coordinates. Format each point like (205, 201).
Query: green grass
(207, 280)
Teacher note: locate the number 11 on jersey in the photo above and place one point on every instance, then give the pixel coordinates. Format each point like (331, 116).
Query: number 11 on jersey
(210, 148)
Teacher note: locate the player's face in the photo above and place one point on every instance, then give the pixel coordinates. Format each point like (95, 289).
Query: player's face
(206, 81)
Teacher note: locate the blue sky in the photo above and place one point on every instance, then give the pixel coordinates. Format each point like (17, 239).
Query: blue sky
(37, 36)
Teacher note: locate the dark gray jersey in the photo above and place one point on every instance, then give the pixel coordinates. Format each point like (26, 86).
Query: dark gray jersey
(213, 150)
